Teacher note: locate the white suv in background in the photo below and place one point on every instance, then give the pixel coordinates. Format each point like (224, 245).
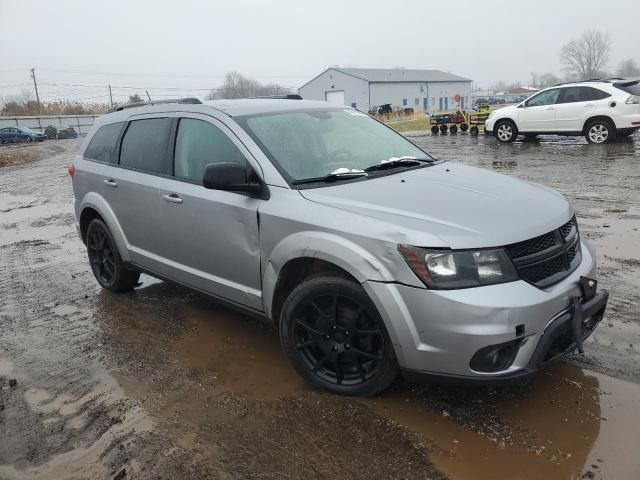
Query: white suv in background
(601, 110)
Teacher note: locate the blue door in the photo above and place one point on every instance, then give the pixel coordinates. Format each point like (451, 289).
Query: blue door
(441, 103)
(462, 102)
(446, 103)
(425, 104)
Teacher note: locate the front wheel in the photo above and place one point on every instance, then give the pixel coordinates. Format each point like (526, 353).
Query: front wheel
(335, 338)
(505, 131)
(105, 261)
(599, 132)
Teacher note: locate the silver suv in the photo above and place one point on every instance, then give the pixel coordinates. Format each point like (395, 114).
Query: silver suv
(366, 253)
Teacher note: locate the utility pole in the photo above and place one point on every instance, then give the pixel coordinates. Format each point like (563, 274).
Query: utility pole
(110, 98)
(35, 84)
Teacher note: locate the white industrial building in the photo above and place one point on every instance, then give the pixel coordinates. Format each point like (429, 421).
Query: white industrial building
(362, 88)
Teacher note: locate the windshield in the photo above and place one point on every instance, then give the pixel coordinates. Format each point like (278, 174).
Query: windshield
(316, 143)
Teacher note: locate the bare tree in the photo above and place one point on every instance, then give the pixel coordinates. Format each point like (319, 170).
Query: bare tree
(586, 56)
(628, 68)
(535, 80)
(135, 98)
(548, 80)
(236, 85)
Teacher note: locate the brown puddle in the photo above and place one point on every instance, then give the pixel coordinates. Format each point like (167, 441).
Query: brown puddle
(245, 357)
(551, 429)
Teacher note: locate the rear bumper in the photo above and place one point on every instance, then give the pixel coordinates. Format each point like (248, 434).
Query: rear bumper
(628, 121)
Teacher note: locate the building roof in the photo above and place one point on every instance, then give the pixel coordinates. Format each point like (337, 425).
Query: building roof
(401, 75)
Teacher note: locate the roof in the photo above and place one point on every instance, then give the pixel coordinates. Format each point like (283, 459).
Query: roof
(232, 108)
(399, 75)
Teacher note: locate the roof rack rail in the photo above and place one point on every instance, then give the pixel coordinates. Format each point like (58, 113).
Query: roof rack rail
(188, 101)
(288, 96)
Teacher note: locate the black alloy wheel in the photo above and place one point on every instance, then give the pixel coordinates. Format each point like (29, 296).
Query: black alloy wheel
(336, 339)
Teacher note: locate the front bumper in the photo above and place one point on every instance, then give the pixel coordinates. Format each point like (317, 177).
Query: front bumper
(488, 125)
(437, 332)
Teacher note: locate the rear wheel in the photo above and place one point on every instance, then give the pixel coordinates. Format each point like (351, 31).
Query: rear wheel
(453, 129)
(599, 132)
(443, 129)
(435, 130)
(335, 338)
(106, 264)
(505, 131)
(464, 127)
(474, 131)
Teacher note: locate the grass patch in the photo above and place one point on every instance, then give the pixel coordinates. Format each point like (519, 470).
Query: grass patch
(16, 157)
(409, 125)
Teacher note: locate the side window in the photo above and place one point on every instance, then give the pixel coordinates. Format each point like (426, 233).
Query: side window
(103, 143)
(599, 94)
(199, 143)
(144, 145)
(575, 94)
(548, 97)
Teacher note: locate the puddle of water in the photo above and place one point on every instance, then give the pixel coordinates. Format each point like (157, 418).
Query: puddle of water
(244, 356)
(557, 431)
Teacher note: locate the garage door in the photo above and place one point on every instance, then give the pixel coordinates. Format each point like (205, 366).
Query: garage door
(335, 97)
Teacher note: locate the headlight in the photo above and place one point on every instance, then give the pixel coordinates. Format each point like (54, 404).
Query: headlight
(449, 269)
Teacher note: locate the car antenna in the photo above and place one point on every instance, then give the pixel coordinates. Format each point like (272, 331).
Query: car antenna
(147, 92)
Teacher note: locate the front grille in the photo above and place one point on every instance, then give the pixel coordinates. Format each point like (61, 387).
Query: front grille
(548, 258)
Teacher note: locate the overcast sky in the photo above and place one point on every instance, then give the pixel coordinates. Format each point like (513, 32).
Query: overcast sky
(192, 44)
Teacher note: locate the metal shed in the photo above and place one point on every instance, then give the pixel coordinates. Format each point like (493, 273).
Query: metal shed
(363, 88)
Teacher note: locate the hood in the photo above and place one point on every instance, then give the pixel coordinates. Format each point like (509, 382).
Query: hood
(503, 110)
(464, 207)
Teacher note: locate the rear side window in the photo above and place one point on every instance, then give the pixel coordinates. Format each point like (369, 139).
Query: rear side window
(102, 145)
(199, 143)
(581, 94)
(144, 146)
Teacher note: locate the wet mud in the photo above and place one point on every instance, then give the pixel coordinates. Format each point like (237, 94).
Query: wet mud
(163, 382)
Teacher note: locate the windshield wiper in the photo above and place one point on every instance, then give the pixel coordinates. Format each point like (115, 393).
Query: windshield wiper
(395, 162)
(336, 175)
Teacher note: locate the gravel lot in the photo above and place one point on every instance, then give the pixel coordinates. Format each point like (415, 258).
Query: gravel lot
(164, 383)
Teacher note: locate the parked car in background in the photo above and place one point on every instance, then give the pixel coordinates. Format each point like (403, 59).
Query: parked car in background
(60, 131)
(20, 134)
(601, 110)
(323, 222)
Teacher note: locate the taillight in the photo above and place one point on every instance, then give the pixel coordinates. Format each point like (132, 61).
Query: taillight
(633, 99)
(72, 170)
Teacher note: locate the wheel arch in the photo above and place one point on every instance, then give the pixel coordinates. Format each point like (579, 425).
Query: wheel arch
(93, 206)
(597, 117)
(314, 253)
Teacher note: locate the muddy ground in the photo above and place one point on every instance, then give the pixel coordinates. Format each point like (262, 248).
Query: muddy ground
(164, 383)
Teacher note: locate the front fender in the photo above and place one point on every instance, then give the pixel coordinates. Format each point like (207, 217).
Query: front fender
(344, 253)
(99, 204)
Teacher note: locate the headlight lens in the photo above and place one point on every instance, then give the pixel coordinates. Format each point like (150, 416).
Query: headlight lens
(449, 269)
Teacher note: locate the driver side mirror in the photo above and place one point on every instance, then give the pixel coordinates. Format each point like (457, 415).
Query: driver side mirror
(232, 177)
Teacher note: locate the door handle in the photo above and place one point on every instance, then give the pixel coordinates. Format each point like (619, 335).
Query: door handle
(173, 198)
(111, 183)
(550, 108)
(589, 105)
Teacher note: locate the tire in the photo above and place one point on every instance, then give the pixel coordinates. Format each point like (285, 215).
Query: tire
(27, 140)
(435, 130)
(599, 131)
(464, 127)
(104, 258)
(474, 131)
(453, 129)
(505, 131)
(443, 129)
(335, 338)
